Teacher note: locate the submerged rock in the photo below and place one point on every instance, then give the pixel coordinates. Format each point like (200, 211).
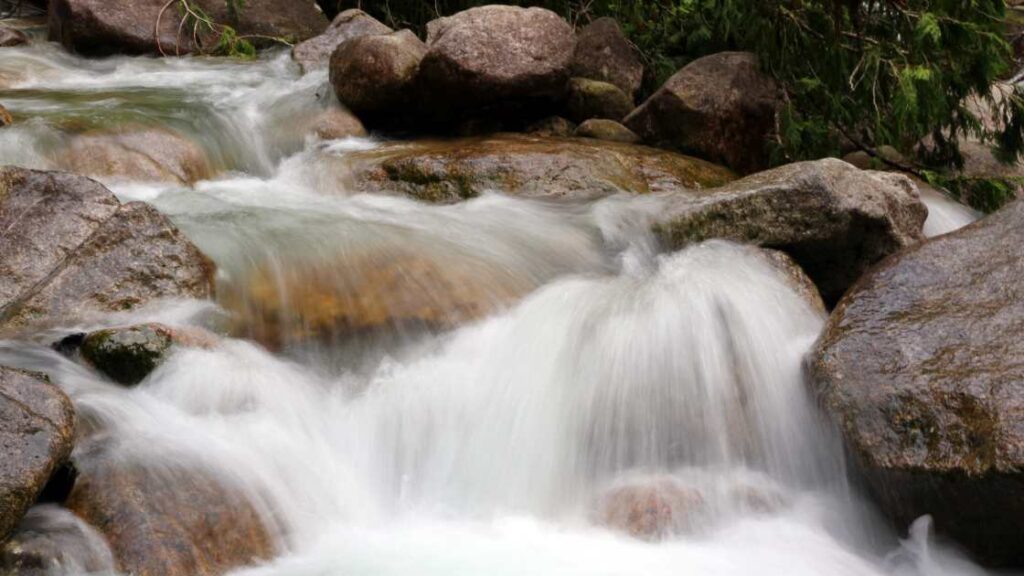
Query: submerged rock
(37, 428)
(496, 55)
(594, 99)
(330, 124)
(51, 540)
(316, 52)
(70, 248)
(609, 130)
(835, 220)
(130, 26)
(169, 520)
(391, 293)
(138, 153)
(720, 107)
(653, 509)
(604, 53)
(11, 37)
(529, 166)
(920, 365)
(376, 74)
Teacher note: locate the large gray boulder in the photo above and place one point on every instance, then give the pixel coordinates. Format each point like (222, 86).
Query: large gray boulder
(315, 53)
(720, 107)
(497, 55)
(376, 74)
(129, 26)
(835, 220)
(921, 367)
(37, 428)
(70, 248)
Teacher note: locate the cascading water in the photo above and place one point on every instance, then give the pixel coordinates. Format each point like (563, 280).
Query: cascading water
(596, 374)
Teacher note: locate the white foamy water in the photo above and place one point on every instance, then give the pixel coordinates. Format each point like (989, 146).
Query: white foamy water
(510, 444)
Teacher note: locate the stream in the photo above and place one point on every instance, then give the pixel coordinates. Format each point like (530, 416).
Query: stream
(492, 448)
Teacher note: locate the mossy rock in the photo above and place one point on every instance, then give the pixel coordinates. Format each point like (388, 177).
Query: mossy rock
(128, 355)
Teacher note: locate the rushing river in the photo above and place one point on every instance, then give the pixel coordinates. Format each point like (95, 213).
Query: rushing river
(491, 448)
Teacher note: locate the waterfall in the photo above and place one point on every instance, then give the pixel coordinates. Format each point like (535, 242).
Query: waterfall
(593, 376)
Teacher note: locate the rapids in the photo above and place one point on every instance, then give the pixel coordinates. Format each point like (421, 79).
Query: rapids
(483, 449)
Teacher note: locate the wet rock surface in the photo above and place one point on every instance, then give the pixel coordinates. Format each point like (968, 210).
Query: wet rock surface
(527, 166)
(5, 117)
(834, 220)
(137, 153)
(594, 99)
(720, 107)
(127, 355)
(71, 248)
(11, 37)
(51, 540)
(168, 520)
(354, 23)
(37, 427)
(920, 367)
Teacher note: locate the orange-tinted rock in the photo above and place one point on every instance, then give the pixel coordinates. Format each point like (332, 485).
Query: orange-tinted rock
(138, 153)
(652, 509)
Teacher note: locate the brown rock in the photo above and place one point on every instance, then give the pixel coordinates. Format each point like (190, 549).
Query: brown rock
(127, 26)
(137, 152)
(168, 520)
(11, 37)
(496, 54)
(5, 117)
(604, 53)
(316, 52)
(920, 367)
(609, 130)
(529, 166)
(553, 126)
(365, 295)
(797, 279)
(376, 74)
(71, 248)
(37, 428)
(594, 99)
(835, 220)
(720, 107)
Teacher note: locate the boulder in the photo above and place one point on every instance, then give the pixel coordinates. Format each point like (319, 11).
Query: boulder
(315, 53)
(51, 540)
(528, 166)
(169, 519)
(719, 107)
(129, 26)
(71, 248)
(5, 117)
(376, 74)
(595, 99)
(604, 53)
(330, 124)
(609, 130)
(554, 126)
(37, 429)
(12, 37)
(496, 55)
(137, 153)
(835, 220)
(127, 355)
(920, 367)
